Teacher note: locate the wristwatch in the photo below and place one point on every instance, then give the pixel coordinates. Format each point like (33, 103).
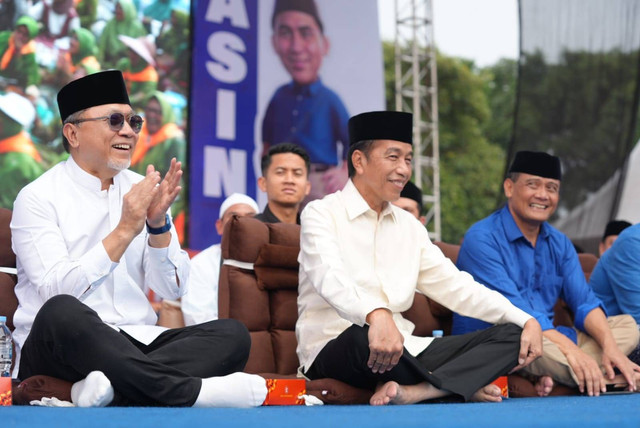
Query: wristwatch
(160, 230)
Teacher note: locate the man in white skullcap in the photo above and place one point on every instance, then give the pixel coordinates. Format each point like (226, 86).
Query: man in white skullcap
(200, 304)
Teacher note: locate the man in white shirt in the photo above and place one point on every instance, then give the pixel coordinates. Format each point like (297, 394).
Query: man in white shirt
(200, 303)
(84, 256)
(361, 262)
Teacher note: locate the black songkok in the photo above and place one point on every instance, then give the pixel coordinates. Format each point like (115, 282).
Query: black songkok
(305, 6)
(411, 191)
(381, 125)
(105, 87)
(615, 227)
(537, 163)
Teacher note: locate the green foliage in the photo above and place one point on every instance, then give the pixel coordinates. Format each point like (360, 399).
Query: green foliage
(470, 165)
(581, 109)
(500, 81)
(472, 154)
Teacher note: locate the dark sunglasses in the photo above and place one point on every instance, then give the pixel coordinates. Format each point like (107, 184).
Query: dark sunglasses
(116, 121)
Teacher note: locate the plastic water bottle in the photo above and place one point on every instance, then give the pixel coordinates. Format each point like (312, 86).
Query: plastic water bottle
(6, 348)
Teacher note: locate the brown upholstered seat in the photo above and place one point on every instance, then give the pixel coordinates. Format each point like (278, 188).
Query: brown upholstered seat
(259, 286)
(261, 290)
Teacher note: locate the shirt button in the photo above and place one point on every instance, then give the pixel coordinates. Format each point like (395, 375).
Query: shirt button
(293, 129)
(299, 98)
(294, 112)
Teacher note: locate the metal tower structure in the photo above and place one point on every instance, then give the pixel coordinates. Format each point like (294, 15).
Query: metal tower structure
(416, 90)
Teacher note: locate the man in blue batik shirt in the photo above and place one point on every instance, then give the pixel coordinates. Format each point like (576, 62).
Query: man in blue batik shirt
(304, 111)
(516, 252)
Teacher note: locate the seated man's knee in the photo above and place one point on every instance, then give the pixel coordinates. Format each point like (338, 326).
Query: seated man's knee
(511, 330)
(58, 308)
(357, 336)
(237, 333)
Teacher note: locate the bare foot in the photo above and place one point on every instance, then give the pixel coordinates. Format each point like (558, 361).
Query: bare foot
(544, 386)
(393, 393)
(489, 393)
(385, 394)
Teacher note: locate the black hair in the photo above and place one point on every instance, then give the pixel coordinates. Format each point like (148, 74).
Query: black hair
(365, 147)
(284, 148)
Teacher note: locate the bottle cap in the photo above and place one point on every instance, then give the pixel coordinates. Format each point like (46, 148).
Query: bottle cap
(437, 333)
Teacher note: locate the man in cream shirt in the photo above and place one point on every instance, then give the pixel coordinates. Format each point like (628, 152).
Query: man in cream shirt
(361, 262)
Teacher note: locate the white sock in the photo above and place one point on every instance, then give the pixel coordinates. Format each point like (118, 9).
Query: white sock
(234, 390)
(95, 390)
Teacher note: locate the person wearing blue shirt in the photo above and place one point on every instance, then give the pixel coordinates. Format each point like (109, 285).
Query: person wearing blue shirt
(516, 252)
(616, 277)
(611, 232)
(304, 111)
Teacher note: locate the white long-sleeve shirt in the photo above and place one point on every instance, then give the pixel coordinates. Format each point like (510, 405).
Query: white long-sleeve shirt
(58, 224)
(200, 303)
(352, 262)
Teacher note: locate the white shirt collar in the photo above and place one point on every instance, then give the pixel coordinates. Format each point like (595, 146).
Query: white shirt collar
(356, 205)
(83, 178)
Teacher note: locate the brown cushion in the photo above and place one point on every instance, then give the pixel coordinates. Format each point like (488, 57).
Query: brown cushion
(284, 350)
(247, 303)
(588, 263)
(283, 306)
(284, 234)
(277, 267)
(242, 239)
(421, 316)
(261, 359)
(281, 256)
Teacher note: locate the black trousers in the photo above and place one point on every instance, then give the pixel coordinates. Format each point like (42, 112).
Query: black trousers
(460, 364)
(68, 340)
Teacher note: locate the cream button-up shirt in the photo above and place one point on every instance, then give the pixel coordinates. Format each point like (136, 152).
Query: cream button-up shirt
(58, 224)
(353, 261)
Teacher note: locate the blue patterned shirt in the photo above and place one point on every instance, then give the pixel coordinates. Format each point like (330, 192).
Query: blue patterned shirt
(312, 116)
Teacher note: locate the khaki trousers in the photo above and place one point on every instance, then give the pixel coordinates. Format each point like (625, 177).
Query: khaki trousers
(553, 362)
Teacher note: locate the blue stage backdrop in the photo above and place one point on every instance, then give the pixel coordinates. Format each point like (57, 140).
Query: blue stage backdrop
(241, 65)
(223, 106)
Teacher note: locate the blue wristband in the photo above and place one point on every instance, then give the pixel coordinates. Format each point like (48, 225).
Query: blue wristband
(160, 230)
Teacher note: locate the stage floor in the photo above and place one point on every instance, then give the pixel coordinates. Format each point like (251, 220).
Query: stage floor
(606, 411)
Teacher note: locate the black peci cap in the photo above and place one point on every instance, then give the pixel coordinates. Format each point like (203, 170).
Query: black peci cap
(537, 163)
(105, 87)
(381, 125)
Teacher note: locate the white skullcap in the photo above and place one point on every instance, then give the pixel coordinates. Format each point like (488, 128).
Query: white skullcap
(18, 108)
(237, 198)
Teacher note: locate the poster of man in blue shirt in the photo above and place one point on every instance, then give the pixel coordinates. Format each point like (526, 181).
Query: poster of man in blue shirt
(304, 111)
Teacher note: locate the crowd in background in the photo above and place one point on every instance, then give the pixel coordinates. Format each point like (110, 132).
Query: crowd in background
(44, 44)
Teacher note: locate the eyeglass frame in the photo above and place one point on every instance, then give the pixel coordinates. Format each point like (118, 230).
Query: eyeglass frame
(124, 118)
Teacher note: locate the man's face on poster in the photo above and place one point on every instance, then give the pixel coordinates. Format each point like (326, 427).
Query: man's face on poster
(300, 44)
